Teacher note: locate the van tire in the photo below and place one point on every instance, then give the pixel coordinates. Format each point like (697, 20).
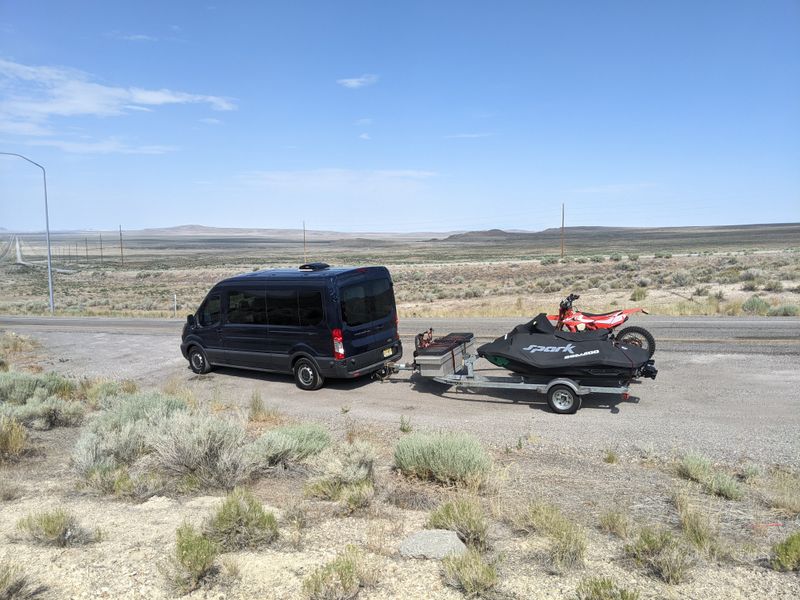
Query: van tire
(307, 375)
(198, 362)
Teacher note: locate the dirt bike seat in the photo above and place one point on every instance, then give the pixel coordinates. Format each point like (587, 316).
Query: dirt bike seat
(583, 336)
(608, 314)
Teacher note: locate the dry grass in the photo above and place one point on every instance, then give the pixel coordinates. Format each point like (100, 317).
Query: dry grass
(342, 578)
(470, 573)
(259, 413)
(786, 554)
(603, 588)
(193, 562)
(662, 554)
(697, 527)
(54, 528)
(615, 522)
(12, 438)
(346, 474)
(464, 516)
(15, 583)
(241, 522)
(782, 492)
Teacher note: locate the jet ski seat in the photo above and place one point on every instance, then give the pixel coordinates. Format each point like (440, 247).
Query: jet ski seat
(583, 336)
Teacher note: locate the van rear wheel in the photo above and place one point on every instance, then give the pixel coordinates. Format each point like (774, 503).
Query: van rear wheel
(306, 375)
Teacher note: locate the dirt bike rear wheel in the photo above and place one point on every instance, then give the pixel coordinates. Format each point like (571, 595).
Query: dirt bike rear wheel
(637, 336)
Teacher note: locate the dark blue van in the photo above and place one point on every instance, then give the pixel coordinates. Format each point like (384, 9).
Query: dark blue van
(314, 322)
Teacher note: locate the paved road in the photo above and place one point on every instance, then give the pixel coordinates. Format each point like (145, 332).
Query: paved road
(774, 335)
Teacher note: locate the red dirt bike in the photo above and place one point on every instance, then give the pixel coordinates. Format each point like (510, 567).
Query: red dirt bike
(572, 319)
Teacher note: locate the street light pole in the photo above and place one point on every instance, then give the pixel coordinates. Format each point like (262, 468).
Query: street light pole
(47, 225)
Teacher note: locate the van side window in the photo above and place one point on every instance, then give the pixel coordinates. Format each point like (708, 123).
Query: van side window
(310, 306)
(210, 312)
(282, 307)
(247, 307)
(367, 301)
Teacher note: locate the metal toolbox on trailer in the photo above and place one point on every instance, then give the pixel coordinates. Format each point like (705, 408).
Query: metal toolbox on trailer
(444, 355)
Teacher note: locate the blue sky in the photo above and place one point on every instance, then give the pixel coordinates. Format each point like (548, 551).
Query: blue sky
(406, 116)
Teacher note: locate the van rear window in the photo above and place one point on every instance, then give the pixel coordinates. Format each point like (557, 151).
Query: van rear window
(367, 301)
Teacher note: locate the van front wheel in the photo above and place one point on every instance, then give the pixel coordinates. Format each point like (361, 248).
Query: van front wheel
(307, 376)
(198, 361)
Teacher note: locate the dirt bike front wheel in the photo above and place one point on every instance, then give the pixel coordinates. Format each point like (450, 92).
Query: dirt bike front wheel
(637, 336)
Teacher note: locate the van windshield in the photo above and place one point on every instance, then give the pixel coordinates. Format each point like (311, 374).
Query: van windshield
(367, 301)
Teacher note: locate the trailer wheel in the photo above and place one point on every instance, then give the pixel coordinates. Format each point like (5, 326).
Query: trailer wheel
(563, 400)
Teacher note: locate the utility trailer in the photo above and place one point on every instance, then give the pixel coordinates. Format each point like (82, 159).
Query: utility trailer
(451, 360)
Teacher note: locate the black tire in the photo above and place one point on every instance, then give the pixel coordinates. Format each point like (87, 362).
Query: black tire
(637, 336)
(198, 362)
(307, 376)
(563, 400)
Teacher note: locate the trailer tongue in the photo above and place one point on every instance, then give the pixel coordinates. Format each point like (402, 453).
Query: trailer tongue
(451, 360)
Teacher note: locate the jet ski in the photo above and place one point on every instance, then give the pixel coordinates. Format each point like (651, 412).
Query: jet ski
(539, 352)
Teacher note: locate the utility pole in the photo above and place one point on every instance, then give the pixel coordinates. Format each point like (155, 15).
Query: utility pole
(562, 230)
(76, 251)
(121, 255)
(86, 243)
(101, 247)
(305, 259)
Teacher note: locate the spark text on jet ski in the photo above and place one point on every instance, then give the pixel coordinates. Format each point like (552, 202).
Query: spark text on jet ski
(567, 349)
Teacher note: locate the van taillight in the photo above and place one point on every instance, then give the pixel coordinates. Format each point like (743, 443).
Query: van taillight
(396, 326)
(338, 344)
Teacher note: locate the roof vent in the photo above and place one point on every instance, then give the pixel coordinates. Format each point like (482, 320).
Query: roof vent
(318, 266)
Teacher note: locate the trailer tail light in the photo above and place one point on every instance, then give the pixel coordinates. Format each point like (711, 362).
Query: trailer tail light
(625, 395)
(338, 344)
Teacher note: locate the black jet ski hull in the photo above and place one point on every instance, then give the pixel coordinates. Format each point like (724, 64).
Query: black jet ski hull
(536, 350)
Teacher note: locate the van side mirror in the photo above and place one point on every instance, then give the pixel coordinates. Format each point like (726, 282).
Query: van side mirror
(190, 320)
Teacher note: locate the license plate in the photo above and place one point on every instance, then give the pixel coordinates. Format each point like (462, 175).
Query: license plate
(388, 352)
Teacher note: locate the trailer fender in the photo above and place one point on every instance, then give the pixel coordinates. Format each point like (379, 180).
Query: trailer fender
(563, 381)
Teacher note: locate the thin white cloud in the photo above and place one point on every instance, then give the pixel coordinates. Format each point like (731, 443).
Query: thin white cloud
(365, 122)
(364, 136)
(465, 136)
(211, 121)
(613, 188)
(334, 177)
(22, 128)
(33, 95)
(354, 83)
(131, 37)
(109, 146)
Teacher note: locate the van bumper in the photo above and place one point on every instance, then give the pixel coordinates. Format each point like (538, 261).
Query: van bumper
(363, 364)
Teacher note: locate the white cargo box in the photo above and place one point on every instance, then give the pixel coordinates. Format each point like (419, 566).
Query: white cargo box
(445, 355)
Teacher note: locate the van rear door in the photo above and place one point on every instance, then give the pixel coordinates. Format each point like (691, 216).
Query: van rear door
(368, 320)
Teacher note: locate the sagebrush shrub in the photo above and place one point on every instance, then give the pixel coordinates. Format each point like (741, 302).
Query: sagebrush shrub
(17, 388)
(449, 458)
(202, 446)
(289, 443)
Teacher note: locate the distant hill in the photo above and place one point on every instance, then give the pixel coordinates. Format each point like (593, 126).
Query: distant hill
(654, 238)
